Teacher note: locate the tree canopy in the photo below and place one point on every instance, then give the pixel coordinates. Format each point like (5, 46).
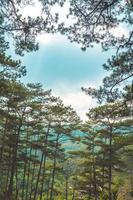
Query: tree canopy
(93, 22)
(35, 126)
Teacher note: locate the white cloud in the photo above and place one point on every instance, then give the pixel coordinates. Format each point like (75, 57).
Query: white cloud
(119, 31)
(79, 101)
(63, 12)
(45, 38)
(49, 38)
(33, 10)
(76, 98)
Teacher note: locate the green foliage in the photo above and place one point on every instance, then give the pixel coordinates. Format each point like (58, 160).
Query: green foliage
(34, 125)
(23, 30)
(94, 21)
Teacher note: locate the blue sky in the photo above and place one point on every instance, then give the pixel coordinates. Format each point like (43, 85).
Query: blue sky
(63, 67)
(59, 61)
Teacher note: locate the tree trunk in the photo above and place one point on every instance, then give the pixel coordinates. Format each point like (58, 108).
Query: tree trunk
(3, 141)
(38, 176)
(41, 164)
(131, 181)
(66, 188)
(23, 185)
(110, 165)
(73, 194)
(32, 179)
(14, 161)
(43, 176)
(47, 195)
(17, 189)
(28, 176)
(94, 170)
(54, 169)
(103, 171)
